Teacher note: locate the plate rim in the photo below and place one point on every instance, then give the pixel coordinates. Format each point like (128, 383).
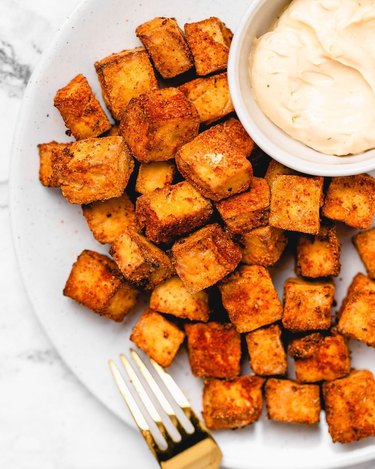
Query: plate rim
(346, 459)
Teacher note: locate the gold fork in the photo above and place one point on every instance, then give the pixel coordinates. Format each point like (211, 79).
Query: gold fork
(196, 449)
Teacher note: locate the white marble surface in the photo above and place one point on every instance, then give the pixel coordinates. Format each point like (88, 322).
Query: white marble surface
(47, 418)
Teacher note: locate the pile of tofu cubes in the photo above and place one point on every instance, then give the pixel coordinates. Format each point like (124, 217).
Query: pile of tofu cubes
(195, 214)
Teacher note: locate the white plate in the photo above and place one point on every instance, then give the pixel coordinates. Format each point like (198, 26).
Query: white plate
(49, 234)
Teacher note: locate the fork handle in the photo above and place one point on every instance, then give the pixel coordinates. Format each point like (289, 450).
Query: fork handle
(204, 455)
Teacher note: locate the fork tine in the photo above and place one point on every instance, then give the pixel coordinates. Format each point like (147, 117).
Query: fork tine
(168, 409)
(133, 408)
(145, 399)
(178, 396)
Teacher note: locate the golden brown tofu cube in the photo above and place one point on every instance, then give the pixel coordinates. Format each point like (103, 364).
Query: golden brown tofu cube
(290, 402)
(171, 297)
(215, 163)
(209, 41)
(319, 256)
(266, 351)
(110, 218)
(154, 176)
(357, 314)
(263, 246)
(351, 199)
(232, 403)
(205, 257)
(320, 358)
(81, 111)
(48, 154)
(166, 44)
(95, 169)
(159, 338)
(210, 96)
(124, 76)
(350, 406)
(141, 262)
(238, 136)
(214, 350)
(307, 305)
(172, 211)
(365, 244)
(250, 298)
(96, 282)
(295, 203)
(113, 131)
(244, 212)
(157, 124)
(276, 169)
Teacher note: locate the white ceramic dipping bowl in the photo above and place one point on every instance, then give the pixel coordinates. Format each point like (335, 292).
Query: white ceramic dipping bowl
(257, 20)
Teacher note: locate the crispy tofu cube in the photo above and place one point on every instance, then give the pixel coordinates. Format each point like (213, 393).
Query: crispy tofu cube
(319, 255)
(205, 257)
(250, 298)
(210, 96)
(48, 154)
(159, 338)
(110, 218)
(263, 246)
(357, 314)
(320, 358)
(214, 350)
(276, 169)
(365, 244)
(350, 406)
(172, 211)
(290, 402)
(154, 176)
(307, 305)
(124, 76)
(209, 41)
(96, 282)
(266, 351)
(94, 169)
(113, 131)
(166, 44)
(295, 203)
(82, 113)
(141, 262)
(238, 136)
(157, 124)
(171, 297)
(351, 199)
(232, 403)
(215, 163)
(244, 212)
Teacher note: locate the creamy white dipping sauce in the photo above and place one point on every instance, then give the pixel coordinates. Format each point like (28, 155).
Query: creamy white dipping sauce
(313, 74)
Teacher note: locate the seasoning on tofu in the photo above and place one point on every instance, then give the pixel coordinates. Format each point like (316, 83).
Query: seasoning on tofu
(82, 113)
(307, 305)
(141, 262)
(167, 46)
(320, 358)
(357, 313)
(350, 406)
(232, 403)
(123, 76)
(171, 212)
(205, 257)
(154, 175)
(108, 219)
(365, 244)
(351, 199)
(49, 153)
(172, 297)
(290, 402)
(159, 338)
(250, 298)
(157, 124)
(263, 246)
(96, 282)
(209, 41)
(214, 349)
